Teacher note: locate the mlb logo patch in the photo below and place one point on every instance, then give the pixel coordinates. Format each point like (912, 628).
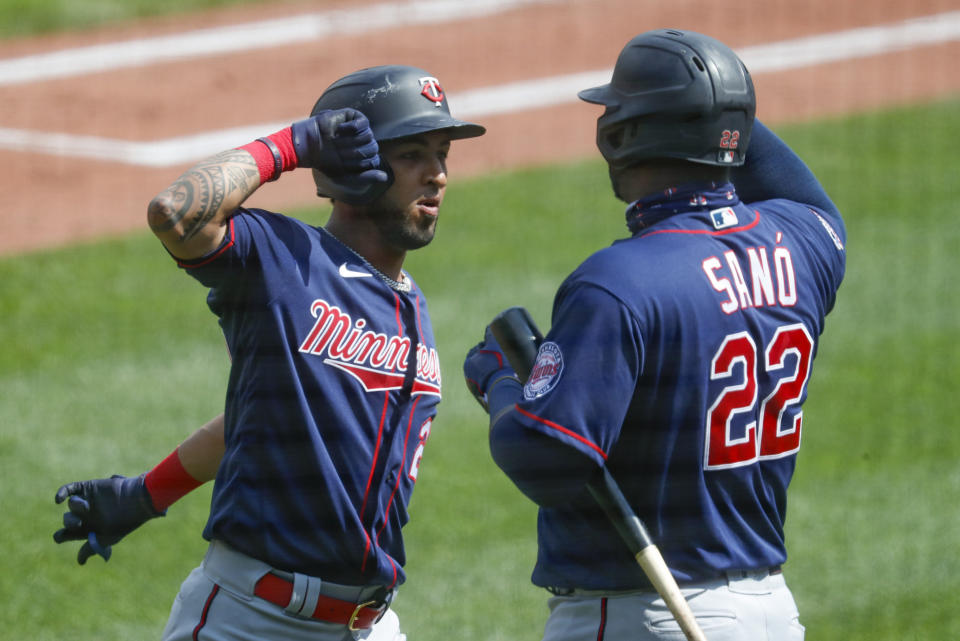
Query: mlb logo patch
(723, 218)
(726, 156)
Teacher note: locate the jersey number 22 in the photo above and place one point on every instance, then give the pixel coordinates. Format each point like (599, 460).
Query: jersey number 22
(774, 430)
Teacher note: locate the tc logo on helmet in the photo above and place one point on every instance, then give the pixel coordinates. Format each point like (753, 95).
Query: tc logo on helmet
(431, 90)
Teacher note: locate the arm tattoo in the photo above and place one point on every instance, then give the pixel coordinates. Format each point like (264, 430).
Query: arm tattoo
(175, 197)
(198, 196)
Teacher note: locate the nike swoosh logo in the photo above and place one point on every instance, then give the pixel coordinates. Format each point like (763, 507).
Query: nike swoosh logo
(346, 272)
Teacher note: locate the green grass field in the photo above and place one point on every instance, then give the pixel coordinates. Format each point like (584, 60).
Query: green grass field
(109, 358)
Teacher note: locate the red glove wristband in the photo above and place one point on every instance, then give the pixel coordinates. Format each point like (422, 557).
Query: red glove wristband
(169, 481)
(274, 154)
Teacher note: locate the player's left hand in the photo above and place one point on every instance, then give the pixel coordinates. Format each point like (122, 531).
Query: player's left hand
(485, 364)
(102, 512)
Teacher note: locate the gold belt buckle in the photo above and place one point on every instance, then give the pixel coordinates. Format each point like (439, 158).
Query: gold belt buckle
(356, 613)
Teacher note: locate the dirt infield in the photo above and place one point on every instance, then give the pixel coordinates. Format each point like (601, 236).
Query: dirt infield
(51, 200)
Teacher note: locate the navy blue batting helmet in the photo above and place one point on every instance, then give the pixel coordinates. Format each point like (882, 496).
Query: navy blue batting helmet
(675, 94)
(399, 101)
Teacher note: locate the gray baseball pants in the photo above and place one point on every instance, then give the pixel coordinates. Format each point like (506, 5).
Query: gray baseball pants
(744, 606)
(216, 603)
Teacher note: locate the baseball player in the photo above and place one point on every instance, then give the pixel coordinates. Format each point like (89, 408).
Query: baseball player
(678, 358)
(334, 382)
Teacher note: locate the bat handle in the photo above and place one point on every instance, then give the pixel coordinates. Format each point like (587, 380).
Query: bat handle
(608, 495)
(634, 533)
(653, 565)
(519, 338)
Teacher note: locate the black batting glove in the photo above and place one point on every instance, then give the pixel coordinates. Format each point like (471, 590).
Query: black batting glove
(103, 511)
(338, 142)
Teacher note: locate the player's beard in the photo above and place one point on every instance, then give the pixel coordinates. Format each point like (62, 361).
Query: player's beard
(399, 228)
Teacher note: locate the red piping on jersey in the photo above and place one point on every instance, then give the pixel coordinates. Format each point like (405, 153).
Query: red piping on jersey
(209, 259)
(707, 232)
(419, 322)
(373, 466)
(403, 459)
(400, 472)
(206, 611)
(603, 618)
(366, 548)
(564, 430)
(376, 450)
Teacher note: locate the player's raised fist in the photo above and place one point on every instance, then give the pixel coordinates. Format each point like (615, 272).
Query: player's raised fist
(338, 142)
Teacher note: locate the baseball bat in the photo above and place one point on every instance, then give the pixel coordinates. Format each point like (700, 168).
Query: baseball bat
(520, 339)
(607, 493)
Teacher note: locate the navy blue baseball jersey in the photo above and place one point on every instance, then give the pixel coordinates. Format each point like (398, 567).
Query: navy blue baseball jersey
(679, 358)
(333, 387)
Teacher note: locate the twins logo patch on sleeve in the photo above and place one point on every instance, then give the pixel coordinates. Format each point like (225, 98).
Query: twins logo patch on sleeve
(545, 373)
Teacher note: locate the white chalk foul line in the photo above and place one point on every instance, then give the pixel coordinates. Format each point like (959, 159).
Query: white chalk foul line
(505, 98)
(778, 56)
(247, 37)
(854, 43)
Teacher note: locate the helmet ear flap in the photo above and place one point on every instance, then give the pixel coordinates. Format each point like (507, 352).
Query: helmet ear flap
(350, 190)
(623, 134)
(614, 137)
